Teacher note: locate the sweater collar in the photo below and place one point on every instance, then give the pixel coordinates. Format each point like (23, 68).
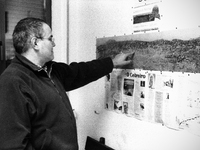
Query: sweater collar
(29, 64)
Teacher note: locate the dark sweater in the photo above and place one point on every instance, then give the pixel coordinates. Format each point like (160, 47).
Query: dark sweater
(35, 112)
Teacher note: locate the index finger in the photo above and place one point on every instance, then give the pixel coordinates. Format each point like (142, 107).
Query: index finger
(130, 56)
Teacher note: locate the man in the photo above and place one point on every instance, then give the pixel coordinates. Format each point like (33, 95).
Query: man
(35, 112)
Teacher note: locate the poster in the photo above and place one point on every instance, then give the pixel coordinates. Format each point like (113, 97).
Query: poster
(173, 50)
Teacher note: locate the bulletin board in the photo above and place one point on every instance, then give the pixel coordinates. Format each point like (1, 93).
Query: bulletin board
(162, 84)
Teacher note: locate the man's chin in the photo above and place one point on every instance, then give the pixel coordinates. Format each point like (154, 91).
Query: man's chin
(52, 56)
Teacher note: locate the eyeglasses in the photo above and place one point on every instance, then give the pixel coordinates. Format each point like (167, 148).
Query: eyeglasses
(51, 38)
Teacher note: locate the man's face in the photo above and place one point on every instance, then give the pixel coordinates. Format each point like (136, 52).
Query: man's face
(46, 45)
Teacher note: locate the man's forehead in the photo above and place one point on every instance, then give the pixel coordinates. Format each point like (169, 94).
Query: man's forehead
(47, 30)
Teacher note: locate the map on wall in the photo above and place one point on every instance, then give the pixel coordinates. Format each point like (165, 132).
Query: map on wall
(162, 84)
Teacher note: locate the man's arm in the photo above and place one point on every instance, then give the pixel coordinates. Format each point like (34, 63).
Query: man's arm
(77, 75)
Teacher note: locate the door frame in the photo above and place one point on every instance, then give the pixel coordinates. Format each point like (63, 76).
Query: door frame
(2, 36)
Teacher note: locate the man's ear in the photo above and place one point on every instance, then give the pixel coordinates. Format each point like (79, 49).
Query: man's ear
(34, 42)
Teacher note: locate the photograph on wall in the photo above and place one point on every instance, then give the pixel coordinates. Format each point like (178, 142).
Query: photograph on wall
(173, 50)
(147, 17)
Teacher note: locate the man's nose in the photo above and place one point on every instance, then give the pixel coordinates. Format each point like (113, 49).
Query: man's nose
(53, 43)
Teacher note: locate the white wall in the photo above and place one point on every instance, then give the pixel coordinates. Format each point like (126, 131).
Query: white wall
(91, 19)
(59, 29)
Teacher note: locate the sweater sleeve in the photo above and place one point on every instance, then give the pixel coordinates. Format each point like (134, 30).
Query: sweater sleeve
(77, 75)
(15, 126)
